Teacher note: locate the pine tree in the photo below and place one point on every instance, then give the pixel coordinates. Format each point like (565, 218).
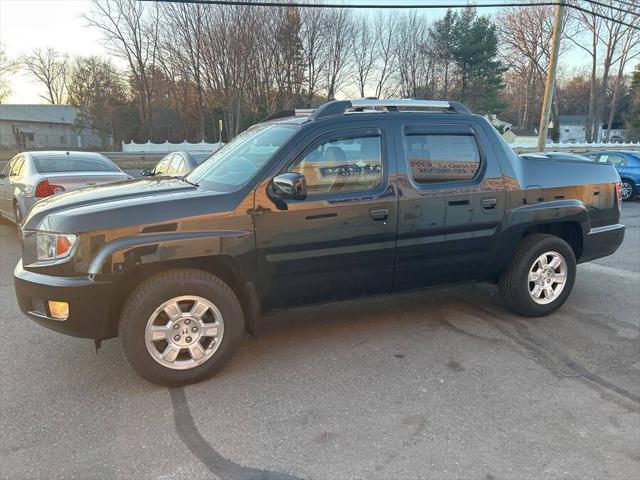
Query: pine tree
(632, 119)
(475, 53)
(442, 35)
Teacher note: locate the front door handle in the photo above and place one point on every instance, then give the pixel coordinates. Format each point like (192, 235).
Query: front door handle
(488, 203)
(379, 214)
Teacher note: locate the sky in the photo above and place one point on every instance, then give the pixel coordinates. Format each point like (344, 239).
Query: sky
(29, 24)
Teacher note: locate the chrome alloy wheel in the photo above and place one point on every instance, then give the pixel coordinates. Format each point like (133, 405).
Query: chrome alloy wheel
(626, 190)
(547, 277)
(184, 332)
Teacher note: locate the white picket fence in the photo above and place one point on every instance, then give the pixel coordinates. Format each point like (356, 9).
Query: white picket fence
(168, 147)
(567, 146)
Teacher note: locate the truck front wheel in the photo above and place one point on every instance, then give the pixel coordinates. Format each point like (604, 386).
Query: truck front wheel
(180, 326)
(540, 277)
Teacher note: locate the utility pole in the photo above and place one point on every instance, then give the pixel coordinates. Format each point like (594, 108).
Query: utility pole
(551, 77)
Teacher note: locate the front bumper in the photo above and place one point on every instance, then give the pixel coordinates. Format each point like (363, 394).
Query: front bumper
(602, 241)
(88, 301)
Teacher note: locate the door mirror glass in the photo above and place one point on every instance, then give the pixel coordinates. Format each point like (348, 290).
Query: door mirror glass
(290, 185)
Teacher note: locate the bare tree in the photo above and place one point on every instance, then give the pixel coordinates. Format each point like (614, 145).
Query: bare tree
(411, 53)
(182, 43)
(339, 26)
(288, 64)
(386, 55)
(611, 36)
(630, 50)
(605, 35)
(7, 67)
(525, 34)
(50, 68)
(96, 88)
(312, 34)
(364, 42)
(131, 30)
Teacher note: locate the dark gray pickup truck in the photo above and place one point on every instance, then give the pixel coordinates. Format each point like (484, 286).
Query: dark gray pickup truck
(355, 198)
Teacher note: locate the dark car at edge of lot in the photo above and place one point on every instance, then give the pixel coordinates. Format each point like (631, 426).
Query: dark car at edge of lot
(355, 198)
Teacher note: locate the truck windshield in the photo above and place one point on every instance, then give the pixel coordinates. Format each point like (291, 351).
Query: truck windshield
(237, 162)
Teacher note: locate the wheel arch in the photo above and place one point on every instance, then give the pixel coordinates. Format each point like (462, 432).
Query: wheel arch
(224, 267)
(570, 231)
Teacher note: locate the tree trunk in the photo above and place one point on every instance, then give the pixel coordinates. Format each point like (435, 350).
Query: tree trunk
(588, 125)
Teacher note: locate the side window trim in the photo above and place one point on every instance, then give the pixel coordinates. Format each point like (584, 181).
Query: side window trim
(366, 131)
(464, 130)
(15, 169)
(9, 166)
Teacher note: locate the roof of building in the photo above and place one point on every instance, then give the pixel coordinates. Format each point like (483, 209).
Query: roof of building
(60, 114)
(522, 132)
(572, 119)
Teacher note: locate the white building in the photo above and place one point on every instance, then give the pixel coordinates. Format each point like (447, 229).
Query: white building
(572, 130)
(39, 127)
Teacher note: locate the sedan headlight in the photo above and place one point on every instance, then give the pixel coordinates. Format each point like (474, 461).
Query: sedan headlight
(54, 246)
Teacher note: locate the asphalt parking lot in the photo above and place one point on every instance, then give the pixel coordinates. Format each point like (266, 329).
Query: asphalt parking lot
(439, 384)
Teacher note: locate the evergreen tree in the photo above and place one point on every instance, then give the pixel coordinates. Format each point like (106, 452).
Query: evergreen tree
(475, 52)
(442, 35)
(632, 119)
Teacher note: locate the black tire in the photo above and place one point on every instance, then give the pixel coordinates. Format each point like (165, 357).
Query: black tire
(149, 295)
(631, 186)
(17, 216)
(514, 285)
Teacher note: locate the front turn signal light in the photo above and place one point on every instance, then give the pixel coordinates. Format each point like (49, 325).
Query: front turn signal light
(59, 310)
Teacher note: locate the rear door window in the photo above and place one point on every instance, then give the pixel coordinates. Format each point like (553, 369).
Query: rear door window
(439, 157)
(617, 160)
(177, 165)
(162, 168)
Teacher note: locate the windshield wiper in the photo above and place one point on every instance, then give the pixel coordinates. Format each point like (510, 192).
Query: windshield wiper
(184, 179)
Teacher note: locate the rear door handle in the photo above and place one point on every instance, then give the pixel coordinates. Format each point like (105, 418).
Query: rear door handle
(488, 203)
(379, 214)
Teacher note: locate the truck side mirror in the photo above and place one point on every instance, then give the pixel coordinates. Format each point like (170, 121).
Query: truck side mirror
(290, 185)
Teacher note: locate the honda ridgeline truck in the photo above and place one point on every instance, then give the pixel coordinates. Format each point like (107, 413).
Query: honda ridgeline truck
(355, 198)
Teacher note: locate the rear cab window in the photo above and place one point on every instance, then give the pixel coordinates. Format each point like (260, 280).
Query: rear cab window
(441, 156)
(70, 163)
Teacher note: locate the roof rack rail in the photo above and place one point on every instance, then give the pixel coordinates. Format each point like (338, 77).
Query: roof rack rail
(339, 107)
(298, 112)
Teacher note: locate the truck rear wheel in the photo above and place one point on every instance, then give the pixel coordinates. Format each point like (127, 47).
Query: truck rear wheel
(540, 277)
(180, 326)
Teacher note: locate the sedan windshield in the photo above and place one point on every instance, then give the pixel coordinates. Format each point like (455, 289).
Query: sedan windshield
(236, 163)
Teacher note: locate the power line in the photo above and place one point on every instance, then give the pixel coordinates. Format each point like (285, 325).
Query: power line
(600, 4)
(253, 3)
(631, 4)
(586, 10)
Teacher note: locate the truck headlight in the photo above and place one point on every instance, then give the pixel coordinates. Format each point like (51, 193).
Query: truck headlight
(54, 246)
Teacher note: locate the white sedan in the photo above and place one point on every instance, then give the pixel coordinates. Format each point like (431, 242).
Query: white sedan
(31, 176)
